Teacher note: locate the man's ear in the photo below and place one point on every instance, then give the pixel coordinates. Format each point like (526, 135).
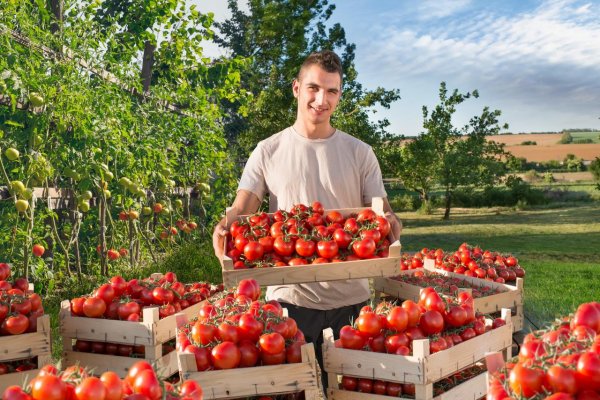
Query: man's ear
(295, 87)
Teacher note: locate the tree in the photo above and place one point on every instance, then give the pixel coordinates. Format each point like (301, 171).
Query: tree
(277, 49)
(462, 156)
(566, 138)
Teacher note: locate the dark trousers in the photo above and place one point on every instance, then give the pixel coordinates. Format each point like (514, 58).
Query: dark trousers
(312, 322)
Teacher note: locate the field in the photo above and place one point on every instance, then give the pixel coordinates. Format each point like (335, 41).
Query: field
(557, 247)
(547, 147)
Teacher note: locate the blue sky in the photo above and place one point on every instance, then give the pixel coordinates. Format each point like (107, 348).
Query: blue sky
(536, 61)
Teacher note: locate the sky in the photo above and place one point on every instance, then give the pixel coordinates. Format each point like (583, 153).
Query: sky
(536, 61)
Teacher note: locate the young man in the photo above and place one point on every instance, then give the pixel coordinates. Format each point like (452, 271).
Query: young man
(309, 161)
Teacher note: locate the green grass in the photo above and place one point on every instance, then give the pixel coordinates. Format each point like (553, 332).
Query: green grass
(559, 249)
(595, 136)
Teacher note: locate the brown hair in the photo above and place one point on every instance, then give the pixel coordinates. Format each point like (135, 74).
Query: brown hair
(325, 59)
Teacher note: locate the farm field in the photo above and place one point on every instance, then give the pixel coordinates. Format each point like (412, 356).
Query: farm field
(558, 249)
(547, 147)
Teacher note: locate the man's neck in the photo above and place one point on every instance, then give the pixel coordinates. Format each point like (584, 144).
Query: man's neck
(311, 131)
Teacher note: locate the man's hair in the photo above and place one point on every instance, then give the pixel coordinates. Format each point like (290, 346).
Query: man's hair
(325, 59)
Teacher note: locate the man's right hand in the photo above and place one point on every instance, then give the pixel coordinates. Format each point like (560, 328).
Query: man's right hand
(219, 239)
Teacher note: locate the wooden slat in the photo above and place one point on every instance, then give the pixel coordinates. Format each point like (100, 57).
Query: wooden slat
(318, 272)
(472, 389)
(18, 347)
(165, 366)
(17, 378)
(152, 331)
(255, 381)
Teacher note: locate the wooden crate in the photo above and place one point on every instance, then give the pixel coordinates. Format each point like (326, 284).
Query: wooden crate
(25, 346)
(510, 297)
(421, 368)
(472, 389)
(151, 333)
(319, 272)
(254, 381)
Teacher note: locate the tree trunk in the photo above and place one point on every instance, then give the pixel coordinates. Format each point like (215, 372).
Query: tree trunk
(56, 7)
(148, 60)
(448, 204)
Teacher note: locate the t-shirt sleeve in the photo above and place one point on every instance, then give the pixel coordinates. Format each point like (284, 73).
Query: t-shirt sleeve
(373, 181)
(253, 177)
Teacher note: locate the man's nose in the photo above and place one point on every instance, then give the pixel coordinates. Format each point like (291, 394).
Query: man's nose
(320, 97)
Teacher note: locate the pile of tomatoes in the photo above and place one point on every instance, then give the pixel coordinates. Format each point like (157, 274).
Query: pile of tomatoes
(123, 300)
(561, 362)
(306, 235)
(19, 307)
(237, 330)
(474, 262)
(395, 389)
(391, 328)
(445, 285)
(141, 383)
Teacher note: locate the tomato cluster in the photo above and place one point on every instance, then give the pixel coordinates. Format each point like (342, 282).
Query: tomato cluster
(9, 367)
(124, 300)
(141, 383)
(561, 362)
(19, 307)
(445, 285)
(306, 235)
(238, 330)
(395, 389)
(474, 262)
(392, 328)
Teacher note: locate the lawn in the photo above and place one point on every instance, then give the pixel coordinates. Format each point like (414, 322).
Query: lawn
(559, 248)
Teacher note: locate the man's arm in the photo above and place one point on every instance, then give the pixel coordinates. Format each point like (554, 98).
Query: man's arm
(395, 222)
(245, 202)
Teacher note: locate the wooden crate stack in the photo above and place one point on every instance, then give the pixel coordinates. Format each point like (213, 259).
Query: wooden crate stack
(421, 368)
(23, 347)
(255, 381)
(510, 296)
(318, 272)
(151, 333)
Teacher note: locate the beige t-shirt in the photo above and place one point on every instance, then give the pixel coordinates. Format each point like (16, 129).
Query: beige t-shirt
(340, 172)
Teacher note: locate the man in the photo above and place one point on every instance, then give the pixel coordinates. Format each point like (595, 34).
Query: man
(310, 161)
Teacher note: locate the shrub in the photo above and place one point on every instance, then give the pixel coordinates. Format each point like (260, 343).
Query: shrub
(529, 143)
(566, 138)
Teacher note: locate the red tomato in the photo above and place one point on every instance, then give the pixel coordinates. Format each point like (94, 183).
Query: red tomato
(15, 324)
(146, 383)
(250, 328)
(383, 226)
(305, 247)
(327, 248)
(456, 317)
(90, 388)
(562, 379)
(366, 215)
(293, 353)
(369, 324)
(253, 251)
(162, 295)
(525, 381)
(431, 322)
(225, 355)
(249, 354)
(334, 217)
(397, 319)
(413, 311)
(349, 383)
(283, 246)
(201, 355)
(351, 338)
(48, 387)
(364, 248)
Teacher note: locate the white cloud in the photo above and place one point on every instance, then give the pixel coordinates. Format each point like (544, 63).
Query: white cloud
(433, 9)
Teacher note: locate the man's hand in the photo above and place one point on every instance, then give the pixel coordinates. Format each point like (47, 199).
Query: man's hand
(219, 239)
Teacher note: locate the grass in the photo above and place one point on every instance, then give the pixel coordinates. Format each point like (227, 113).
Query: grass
(557, 247)
(595, 136)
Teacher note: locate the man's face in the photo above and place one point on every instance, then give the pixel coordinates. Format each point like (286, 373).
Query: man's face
(318, 93)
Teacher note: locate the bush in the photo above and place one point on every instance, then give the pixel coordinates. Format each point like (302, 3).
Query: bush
(566, 138)
(529, 143)
(405, 202)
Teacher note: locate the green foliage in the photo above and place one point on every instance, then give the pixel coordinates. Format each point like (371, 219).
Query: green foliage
(80, 132)
(595, 168)
(566, 138)
(529, 143)
(448, 155)
(277, 50)
(573, 163)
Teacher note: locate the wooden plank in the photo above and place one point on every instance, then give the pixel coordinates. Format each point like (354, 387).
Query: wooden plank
(17, 378)
(27, 345)
(152, 331)
(255, 381)
(472, 389)
(317, 272)
(165, 366)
